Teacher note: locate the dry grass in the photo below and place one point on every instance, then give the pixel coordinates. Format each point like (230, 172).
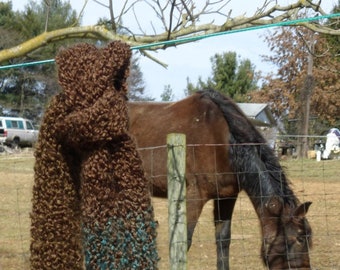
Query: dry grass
(16, 179)
(315, 181)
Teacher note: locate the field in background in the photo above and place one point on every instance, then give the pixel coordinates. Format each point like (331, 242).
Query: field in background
(312, 181)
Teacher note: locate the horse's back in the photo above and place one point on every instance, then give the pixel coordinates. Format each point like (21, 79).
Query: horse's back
(200, 119)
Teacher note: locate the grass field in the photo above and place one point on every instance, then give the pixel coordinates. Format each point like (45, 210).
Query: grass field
(312, 181)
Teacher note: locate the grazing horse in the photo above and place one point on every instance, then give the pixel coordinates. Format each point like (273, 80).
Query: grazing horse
(225, 154)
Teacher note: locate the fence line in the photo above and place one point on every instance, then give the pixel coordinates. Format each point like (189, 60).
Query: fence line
(301, 136)
(318, 182)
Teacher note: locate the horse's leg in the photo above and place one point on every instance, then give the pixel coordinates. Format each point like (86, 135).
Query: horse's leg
(223, 210)
(194, 210)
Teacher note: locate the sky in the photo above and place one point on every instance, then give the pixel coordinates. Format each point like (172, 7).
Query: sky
(191, 60)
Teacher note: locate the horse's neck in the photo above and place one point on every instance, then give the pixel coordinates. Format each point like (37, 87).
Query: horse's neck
(254, 177)
(259, 173)
(262, 178)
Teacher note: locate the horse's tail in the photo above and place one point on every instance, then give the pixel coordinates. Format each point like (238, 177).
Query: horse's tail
(254, 161)
(241, 128)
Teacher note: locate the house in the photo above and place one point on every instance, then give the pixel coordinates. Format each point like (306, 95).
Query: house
(262, 118)
(259, 112)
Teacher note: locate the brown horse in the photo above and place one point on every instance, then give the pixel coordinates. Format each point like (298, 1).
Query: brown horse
(232, 156)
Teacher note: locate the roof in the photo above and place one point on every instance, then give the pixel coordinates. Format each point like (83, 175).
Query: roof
(252, 109)
(258, 111)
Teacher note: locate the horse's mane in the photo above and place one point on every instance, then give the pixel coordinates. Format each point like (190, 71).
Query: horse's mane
(259, 171)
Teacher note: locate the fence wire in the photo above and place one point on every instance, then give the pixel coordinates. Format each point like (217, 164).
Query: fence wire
(311, 180)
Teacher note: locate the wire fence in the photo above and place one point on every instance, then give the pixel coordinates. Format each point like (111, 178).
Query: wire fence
(314, 181)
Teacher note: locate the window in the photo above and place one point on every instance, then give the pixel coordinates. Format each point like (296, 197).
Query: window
(15, 124)
(29, 125)
(8, 123)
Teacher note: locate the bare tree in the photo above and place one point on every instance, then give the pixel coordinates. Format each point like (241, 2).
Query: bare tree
(174, 20)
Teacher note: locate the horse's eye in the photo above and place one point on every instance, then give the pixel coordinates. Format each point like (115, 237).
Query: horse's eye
(301, 239)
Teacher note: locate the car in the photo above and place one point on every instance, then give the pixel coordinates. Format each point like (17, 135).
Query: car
(16, 131)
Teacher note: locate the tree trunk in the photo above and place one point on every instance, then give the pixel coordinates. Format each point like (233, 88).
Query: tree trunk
(22, 99)
(306, 93)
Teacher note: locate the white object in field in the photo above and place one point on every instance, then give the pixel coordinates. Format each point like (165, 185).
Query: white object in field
(332, 143)
(318, 155)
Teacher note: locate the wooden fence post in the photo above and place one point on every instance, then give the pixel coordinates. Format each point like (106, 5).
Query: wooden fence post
(177, 201)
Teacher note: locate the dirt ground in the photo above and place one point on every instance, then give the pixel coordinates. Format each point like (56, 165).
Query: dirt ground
(318, 182)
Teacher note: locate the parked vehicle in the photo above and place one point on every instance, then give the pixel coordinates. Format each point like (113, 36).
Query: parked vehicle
(15, 131)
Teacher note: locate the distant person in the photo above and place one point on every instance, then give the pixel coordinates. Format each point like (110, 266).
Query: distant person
(332, 143)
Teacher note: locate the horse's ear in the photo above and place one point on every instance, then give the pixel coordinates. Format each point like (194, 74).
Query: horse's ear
(302, 210)
(274, 205)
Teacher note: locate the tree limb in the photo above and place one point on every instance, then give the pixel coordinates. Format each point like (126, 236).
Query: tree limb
(178, 20)
(95, 32)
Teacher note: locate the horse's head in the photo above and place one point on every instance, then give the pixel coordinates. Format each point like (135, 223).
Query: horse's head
(287, 235)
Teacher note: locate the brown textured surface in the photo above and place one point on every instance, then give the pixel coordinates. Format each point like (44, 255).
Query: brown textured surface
(90, 190)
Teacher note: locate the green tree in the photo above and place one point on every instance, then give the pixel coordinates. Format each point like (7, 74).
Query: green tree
(48, 15)
(9, 36)
(334, 40)
(24, 91)
(136, 84)
(192, 88)
(167, 94)
(231, 76)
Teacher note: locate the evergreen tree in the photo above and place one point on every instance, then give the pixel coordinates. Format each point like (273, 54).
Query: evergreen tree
(25, 91)
(136, 84)
(334, 40)
(231, 76)
(167, 94)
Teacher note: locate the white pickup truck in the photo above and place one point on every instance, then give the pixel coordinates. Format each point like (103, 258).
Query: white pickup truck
(15, 131)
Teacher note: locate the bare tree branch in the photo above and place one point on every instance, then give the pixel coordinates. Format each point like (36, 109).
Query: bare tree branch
(112, 17)
(171, 17)
(174, 20)
(95, 32)
(48, 5)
